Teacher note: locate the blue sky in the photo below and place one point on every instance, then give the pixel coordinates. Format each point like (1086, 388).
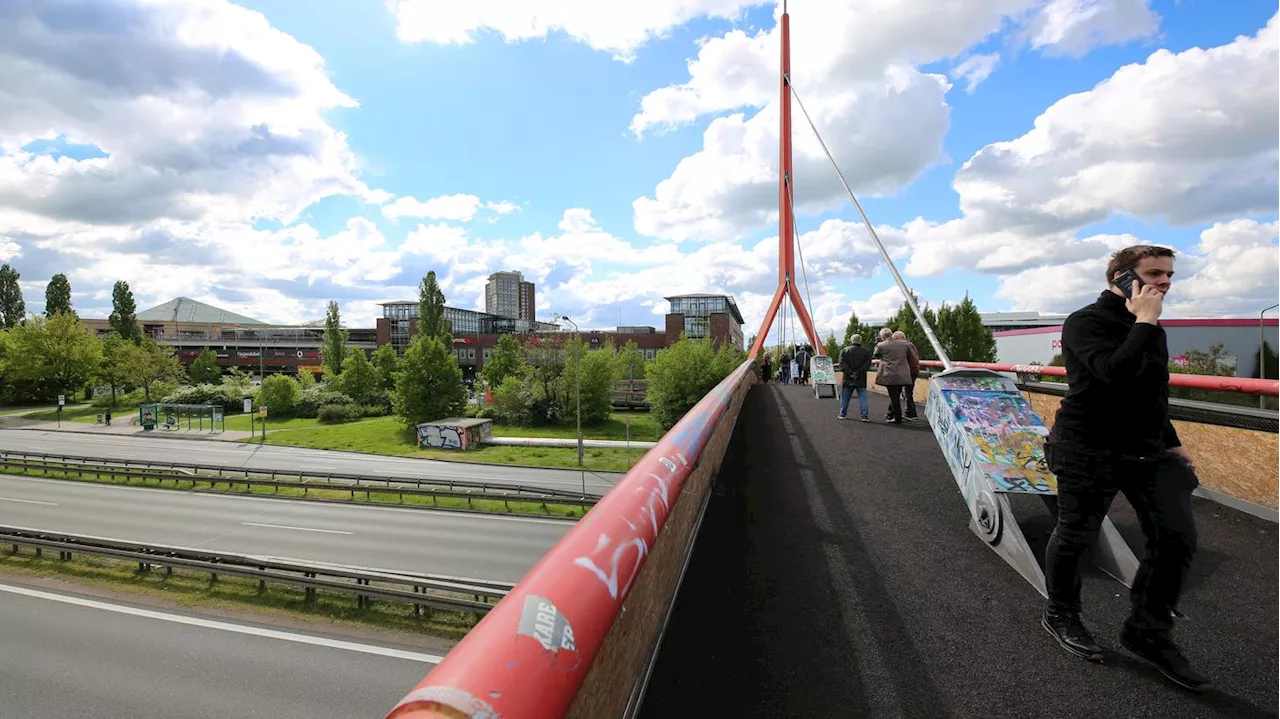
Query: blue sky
(367, 105)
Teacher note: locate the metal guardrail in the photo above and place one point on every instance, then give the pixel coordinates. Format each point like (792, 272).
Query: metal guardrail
(1246, 385)
(328, 480)
(441, 593)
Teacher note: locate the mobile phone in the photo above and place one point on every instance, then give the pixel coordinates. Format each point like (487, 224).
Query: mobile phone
(1126, 282)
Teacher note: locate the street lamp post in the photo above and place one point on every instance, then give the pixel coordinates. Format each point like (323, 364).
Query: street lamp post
(577, 374)
(1262, 357)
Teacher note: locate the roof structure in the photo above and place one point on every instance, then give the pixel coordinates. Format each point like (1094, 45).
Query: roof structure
(183, 309)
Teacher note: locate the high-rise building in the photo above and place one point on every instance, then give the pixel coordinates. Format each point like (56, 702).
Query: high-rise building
(506, 294)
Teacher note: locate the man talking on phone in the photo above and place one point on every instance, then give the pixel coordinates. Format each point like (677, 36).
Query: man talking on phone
(1112, 434)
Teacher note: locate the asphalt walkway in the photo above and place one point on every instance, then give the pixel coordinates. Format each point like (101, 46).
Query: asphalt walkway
(835, 576)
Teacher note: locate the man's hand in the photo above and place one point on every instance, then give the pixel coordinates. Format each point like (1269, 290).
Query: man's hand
(1182, 454)
(1147, 304)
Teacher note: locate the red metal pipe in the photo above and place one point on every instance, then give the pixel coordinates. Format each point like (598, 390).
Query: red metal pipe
(1247, 385)
(529, 655)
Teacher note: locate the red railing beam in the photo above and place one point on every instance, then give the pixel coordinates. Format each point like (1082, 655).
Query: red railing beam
(528, 657)
(1245, 385)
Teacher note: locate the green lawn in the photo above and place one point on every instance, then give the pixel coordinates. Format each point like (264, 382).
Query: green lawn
(385, 435)
(644, 428)
(241, 422)
(70, 413)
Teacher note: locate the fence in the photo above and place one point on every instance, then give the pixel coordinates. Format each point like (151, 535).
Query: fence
(583, 625)
(233, 476)
(441, 593)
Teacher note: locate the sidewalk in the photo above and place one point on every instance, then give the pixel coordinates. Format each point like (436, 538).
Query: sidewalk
(119, 428)
(558, 442)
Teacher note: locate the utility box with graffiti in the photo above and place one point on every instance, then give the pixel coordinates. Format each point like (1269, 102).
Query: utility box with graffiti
(455, 433)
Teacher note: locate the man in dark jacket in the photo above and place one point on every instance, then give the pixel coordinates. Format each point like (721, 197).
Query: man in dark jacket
(1112, 433)
(855, 360)
(803, 355)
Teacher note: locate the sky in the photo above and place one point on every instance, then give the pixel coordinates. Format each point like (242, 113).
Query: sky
(267, 156)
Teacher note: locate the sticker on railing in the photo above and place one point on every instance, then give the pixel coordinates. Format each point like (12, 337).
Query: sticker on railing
(541, 621)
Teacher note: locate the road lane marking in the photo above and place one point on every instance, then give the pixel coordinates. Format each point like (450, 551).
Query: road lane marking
(225, 626)
(28, 501)
(300, 529)
(442, 515)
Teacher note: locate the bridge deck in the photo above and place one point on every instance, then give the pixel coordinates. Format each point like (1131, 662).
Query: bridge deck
(836, 577)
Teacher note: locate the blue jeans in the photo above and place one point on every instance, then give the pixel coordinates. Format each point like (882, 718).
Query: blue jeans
(846, 393)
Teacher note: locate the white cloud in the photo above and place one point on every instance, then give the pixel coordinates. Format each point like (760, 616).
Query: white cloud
(456, 207)
(195, 110)
(1073, 27)
(616, 27)
(1239, 272)
(1185, 138)
(975, 69)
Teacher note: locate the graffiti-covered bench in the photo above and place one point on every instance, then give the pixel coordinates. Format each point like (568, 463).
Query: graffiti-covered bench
(454, 433)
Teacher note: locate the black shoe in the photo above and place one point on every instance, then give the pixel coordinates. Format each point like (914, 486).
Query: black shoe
(1071, 634)
(1165, 656)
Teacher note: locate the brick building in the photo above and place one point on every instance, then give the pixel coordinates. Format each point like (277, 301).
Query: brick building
(702, 316)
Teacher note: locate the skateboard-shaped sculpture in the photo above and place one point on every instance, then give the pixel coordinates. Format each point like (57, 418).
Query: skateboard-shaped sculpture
(822, 373)
(994, 444)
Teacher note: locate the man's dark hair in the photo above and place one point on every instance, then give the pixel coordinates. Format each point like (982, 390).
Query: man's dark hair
(1131, 256)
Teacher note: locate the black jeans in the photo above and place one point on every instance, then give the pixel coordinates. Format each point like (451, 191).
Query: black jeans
(895, 400)
(1159, 489)
(909, 397)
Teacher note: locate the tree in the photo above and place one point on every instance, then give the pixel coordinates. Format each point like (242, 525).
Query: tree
(51, 356)
(280, 394)
(112, 368)
(545, 362)
(431, 319)
(147, 363)
(429, 384)
(13, 309)
(387, 362)
(962, 334)
(506, 360)
(683, 374)
(57, 296)
(855, 326)
(124, 313)
(359, 379)
(832, 346)
(306, 379)
(905, 321)
(629, 362)
(334, 350)
(596, 368)
(1269, 361)
(239, 379)
(205, 370)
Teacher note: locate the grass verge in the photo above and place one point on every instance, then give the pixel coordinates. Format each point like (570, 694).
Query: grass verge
(70, 413)
(387, 436)
(191, 589)
(644, 428)
(181, 481)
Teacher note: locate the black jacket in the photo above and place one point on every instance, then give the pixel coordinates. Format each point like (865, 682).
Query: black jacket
(855, 360)
(1117, 399)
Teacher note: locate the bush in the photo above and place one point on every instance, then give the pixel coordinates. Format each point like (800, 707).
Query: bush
(331, 413)
(514, 402)
(683, 374)
(280, 394)
(230, 397)
(373, 410)
(314, 398)
(471, 410)
(487, 411)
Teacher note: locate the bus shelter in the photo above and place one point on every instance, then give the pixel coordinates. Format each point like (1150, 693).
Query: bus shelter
(174, 417)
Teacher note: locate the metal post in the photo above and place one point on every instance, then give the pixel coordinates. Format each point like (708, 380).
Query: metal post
(1262, 356)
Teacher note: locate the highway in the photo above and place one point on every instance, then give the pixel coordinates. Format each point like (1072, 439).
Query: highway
(403, 540)
(68, 656)
(254, 456)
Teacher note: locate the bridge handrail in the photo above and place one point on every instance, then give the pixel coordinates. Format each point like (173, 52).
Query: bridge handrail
(1246, 385)
(535, 648)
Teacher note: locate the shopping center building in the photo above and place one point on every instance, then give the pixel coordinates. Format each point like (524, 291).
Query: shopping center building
(261, 348)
